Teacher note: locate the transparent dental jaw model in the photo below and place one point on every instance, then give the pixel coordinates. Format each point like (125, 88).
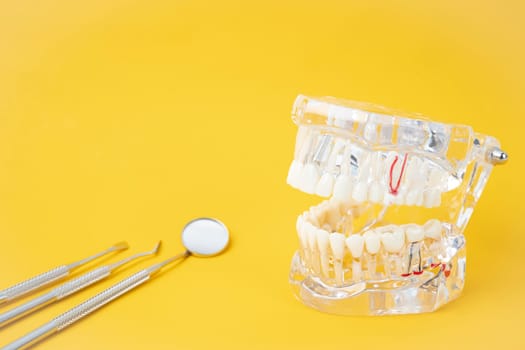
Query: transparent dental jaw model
(400, 190)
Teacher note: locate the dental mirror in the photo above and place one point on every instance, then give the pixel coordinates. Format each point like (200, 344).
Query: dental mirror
(205, 237)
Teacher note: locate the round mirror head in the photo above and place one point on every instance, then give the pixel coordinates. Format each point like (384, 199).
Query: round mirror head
(205, 237)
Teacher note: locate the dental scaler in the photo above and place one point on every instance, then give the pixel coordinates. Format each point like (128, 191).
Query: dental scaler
(400, 190)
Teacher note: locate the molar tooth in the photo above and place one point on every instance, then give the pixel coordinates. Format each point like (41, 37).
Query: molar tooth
(393, 241)
(432, 229)
(435, 178)
(355, 244)
(432, 198)
(414, 196)
(372, 242)
(294, 174)
(376, 192)
(322, 243)
(360, 191)
(414, 233)
(413, 169)
(309, 178)
(325, 185)
(343, 187)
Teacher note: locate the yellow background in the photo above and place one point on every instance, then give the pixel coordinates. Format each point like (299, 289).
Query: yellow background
(125, 119)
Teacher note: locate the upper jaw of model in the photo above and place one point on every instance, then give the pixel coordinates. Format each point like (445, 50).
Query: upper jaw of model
(398, 186)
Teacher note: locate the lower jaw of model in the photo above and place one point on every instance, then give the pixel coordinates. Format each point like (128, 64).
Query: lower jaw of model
(380, 269)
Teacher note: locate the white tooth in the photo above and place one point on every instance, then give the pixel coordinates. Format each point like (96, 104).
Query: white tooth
(376, 192)
(376, 165)
(333, 216)
(318, 107)
(435, 178)
(337, 243)
(399, 198)
(414, 233)
(322, 243)
(414, 196)
(309, 219)
(355, 244)
(301, 231)
(302, 236)
(372, 242)
(413, 169)
(325, 185)
(310, 232)
(393, 241)
(360, 191)
(316, 215)
(343, 187)
(432, 198)
(322, 240)
(294, 174)
(299, 223)
(309, 178)
(432, 229)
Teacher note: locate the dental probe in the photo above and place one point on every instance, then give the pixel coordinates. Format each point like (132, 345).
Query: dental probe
(69, 288)
(202, 237)
(53, 275)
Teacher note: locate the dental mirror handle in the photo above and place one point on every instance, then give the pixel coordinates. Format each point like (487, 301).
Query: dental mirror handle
(46, 278)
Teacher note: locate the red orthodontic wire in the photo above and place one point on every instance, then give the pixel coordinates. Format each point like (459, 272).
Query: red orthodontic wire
(392, 189)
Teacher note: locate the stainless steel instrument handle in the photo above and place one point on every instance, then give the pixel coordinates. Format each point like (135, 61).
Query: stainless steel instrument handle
(81, 282)
(80, 311)
(101, 299)
(58, 293)
(34, 283)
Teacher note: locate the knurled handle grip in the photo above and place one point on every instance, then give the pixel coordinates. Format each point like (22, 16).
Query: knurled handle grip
(81, 282)
(34, 283)
(58, 293)
(99, 300)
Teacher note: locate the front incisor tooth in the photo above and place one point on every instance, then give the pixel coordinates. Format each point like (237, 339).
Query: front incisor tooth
(343, 187)
(376, 192)
(414, 233)
(337, 244)
(325, 185)
(309, 178)
(372, 242)
(294, 174)
(433, 229)
(322, 240)
(360, 191)
(355, 243)
(311, 238)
